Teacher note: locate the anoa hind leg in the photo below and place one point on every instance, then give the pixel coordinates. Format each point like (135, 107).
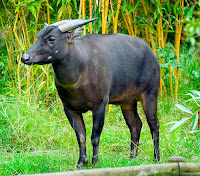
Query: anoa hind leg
(149, 102)
(135, 125)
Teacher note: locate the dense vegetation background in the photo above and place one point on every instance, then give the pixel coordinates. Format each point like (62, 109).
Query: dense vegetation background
(35, 135)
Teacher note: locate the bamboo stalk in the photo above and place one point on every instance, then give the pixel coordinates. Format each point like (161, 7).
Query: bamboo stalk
(111, 7)
(90, 7)
(18, 75)
(177, 46)
(26, 28)
(146, 34)
(15, 33)
(67, 9)
(130, 23)
(48, 13)
(83, 14)
(160, 45)
(103, 17)
(116, 16)
(80, 9)
(47, 79)
(150, 32)
(166, 34)
(163, 85)
(37, 16)
(170, 69)
(28, 42)
(126, 23)
(170, 79)
(134, 18)
(106, 12)
(14, 30)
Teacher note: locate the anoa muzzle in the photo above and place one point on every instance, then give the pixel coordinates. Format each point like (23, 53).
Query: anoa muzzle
(95, 70)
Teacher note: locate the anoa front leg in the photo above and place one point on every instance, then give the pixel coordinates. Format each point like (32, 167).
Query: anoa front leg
(98, 122)
(77, 123)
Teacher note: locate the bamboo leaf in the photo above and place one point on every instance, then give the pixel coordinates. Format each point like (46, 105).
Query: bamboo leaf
(43, 69)
(49, 7)
(196, 92)
(169, 7)
(130, 8)
(33, 11)
(196, 117)
(60, 11)
(69, 10)
(75, 4)
(183, 108)
(136, 6)
(176, 125)
(58, 2)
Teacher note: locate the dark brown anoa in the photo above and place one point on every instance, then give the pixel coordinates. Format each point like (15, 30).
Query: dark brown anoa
(95, 70)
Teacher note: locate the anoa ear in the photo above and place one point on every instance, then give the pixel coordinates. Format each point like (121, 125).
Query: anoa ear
(76, 33)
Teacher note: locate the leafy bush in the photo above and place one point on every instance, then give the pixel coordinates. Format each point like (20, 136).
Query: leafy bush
(194, 114)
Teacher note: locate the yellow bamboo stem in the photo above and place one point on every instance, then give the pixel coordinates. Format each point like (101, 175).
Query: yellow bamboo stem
(28, 42)
(130, 23)
(160, 44)
(24, 33)
(103, 17)
(48, 13)
(146, 35)
(134, 18)
(150, 32)
(14, 30)
(161, 33)
(166, 33)
(83, 14)
(163, 85)
(127, 25)
(177, 46)
(48, 20)
(37, 16)
(80, 9)
(15, 33)
(18, 74)
(67, 9)
(106, 12)
(26, 28)
(111, 7)
(170, 79)
(152, 41)
(116, 16)
(90, 7)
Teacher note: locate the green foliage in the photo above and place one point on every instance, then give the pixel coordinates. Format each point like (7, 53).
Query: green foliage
(195, 98)
(168, 54)
(192, 29)
(3, 64)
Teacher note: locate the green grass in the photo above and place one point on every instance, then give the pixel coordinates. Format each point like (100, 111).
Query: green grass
(36, 138)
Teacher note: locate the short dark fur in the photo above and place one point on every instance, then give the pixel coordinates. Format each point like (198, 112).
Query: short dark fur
(96, 70)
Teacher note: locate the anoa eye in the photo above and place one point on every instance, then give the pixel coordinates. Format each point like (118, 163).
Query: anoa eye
(51, 39)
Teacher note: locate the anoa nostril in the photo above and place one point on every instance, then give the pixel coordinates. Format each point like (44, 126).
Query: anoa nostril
(25, 57)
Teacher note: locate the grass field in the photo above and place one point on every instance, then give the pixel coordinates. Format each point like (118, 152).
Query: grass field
(35, 138)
